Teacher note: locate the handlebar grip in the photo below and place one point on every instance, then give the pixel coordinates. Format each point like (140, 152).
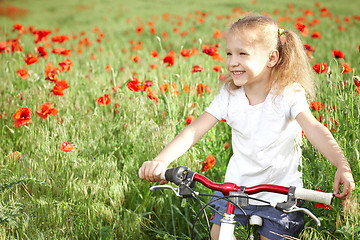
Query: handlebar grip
(162, 174)
(314, 196)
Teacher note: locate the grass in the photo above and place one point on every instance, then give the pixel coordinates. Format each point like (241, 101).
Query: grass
(94, 192)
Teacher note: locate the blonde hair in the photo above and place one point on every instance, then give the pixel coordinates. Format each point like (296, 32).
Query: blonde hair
(293, 65)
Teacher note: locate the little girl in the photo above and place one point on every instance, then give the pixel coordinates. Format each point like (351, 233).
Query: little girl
(263, 100)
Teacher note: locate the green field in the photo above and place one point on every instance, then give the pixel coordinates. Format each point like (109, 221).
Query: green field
(93, 192)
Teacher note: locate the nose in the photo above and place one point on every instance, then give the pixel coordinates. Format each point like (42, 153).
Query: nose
(233, 61)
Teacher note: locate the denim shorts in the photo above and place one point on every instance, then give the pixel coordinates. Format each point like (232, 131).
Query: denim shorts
(276, 224)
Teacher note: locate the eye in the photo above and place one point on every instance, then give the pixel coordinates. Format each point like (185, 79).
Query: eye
(243, 53)
(228, 54)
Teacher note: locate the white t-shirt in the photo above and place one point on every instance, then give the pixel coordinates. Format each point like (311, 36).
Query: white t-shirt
(265, 138)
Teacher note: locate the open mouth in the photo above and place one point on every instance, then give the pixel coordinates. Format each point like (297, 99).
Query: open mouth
(237, 73)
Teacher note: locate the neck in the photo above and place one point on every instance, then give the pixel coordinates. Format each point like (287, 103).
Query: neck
(256, 94)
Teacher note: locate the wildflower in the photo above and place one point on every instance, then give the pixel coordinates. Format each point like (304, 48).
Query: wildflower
(41, 52)
(23, 73)
(51, 72)
(217, 34)
(14, 156)
(316, 105)
(169, 59)
(22, 117)
(164, 87)
(186, 87)
(320, 67)
(154, 66)
(346, 68)
(217, 68)
(226, 145)
(338, 54)
(154, 53)
(136, 59)
(59, 87)
(60, 38)
(152, 95)
(302, 28)
(148, 84)
(66, 65)
(41, 35)
(189, 120)
(316, 34)
(134, 85)
(30, 59)
(47, 109)
(103, 100)
(61, 51)
(197, 68)
(185, 52)
(67, 147)
(208, 163)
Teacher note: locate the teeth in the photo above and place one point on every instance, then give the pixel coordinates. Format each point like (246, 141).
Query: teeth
(238, 72)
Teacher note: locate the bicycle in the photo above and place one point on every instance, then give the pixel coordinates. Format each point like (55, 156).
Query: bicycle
(237, 196)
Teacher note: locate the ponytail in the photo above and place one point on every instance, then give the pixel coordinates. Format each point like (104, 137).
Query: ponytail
(293, 64)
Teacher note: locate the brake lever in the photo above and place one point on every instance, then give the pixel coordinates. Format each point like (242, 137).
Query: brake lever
(165, 186)
(304, 210)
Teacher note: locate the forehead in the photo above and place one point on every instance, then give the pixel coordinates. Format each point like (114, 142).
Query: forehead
(245, 38)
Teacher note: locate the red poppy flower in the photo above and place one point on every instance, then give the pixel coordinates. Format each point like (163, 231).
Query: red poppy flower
(47, 109)
(217, 34)
(22, 117)
(226, 145)
(302, 28)
(309, 48)
(208, 163)
(154, 53)
(338, 54)
(217, 68)
(30, 59)
(154, 66)
(316, 105)
(186, 87)
(51, 72)
(164, 87)
(23, 73)
(320, 67)
(66, 65)
(135, 85)
(41, 51)
(152, 95)
(346, 68)
(185, 52)
(18, 27)
(60, 38)
(59, 87)
(357, 81)
(148, 84)
(67, 147)
(136, 59)
(169, 60)
(189, 120)
(316, 34)
(103, 100)
(41, 35)
(197, 68)
(61, 51)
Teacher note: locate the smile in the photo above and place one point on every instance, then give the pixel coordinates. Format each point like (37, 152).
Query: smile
(237, 73)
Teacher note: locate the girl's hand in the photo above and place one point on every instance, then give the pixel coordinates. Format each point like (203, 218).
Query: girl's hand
(343, 177)
(151, 170)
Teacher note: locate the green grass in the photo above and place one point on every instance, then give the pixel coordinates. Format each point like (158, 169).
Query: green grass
(94, 192)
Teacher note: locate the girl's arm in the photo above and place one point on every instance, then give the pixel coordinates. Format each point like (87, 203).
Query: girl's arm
(322, 139)
(150, 170)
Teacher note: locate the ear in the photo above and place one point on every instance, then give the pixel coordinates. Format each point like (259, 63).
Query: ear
(273, 58)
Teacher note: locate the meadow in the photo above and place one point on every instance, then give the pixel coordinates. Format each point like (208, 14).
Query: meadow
(90, 90)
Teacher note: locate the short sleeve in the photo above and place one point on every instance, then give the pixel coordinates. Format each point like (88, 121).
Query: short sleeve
(297, 102)
(218, 107)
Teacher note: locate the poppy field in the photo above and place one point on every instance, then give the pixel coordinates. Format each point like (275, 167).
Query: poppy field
(90, 90)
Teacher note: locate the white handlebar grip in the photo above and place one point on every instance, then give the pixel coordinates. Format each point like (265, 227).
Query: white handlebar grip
(162, 175)
(314, 196)
(140, 176)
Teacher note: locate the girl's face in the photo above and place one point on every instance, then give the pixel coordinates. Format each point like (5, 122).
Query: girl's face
(247, 63)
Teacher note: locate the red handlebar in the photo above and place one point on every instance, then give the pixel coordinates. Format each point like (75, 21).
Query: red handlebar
(227, 187)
